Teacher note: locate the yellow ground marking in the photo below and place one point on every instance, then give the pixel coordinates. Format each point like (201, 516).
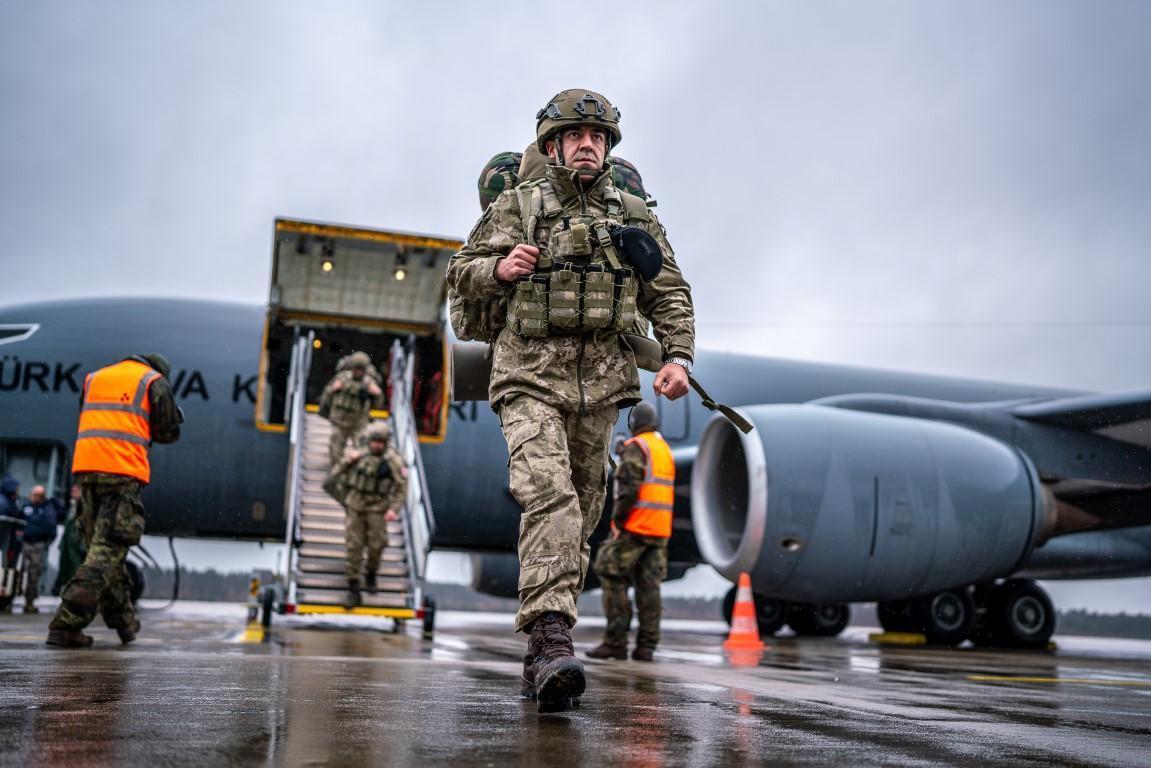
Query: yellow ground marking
(253, 633)
(393, 613)
(897, 638)
(1069, 680)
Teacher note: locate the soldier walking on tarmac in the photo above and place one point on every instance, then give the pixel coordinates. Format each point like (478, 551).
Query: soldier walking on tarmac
(347, 401)
(560, 371)
(372, 485)
(124, 408)
(636, 553)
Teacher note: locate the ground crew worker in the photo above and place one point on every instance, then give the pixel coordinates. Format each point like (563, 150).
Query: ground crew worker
(375, 485)
(347, 401)
(559, 369)
(124, 408)
(71, 543)
(41, 516)
(636, 553)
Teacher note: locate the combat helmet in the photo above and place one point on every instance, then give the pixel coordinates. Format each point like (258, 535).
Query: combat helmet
(643, 417)
(577, 106)
(359, 360)
(378, 430)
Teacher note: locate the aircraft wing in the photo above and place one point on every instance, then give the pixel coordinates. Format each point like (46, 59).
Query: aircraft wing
(1124, 416)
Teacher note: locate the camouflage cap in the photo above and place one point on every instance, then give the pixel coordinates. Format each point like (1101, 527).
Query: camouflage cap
(378, 430)
(499, 174)
(577, 106)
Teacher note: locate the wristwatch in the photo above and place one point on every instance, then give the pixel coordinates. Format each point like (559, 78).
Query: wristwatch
(683, 362)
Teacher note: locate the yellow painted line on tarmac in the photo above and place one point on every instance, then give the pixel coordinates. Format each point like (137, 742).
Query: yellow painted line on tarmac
(1068, 680)
(253, 633)
(898, 638)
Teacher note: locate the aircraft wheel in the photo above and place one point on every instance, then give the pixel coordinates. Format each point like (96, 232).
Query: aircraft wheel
(135, 581)
(770, 613)
(946, 617)
(895, 616)
(429, 618)
(819, 619)
(1020, 615)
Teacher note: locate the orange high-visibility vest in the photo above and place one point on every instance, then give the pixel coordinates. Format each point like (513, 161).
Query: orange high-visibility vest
(114, 432)
(652, 513)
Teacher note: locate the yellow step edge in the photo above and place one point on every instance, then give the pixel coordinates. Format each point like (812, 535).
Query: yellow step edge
(393, 613)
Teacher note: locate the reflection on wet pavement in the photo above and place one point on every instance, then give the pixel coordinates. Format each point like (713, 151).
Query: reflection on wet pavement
(351, 694)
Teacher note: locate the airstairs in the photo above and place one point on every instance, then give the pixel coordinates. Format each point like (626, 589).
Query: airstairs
(317, 581)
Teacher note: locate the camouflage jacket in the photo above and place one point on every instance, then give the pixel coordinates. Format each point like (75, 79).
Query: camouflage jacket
(631, 466)
(576, 372)
(350, 405)
(367, 491)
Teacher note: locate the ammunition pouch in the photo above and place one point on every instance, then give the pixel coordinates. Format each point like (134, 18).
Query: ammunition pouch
(573, 299)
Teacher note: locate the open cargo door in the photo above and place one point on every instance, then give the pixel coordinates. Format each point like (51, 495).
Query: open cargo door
(355, 289)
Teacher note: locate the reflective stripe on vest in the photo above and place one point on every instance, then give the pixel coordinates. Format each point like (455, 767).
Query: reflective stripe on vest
(114, 432)
(652, 513)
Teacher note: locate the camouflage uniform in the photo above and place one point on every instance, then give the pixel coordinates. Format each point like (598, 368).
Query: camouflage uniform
(110, 521)
(629, 559)
(558, 396)
(368, 496)
(348, 408)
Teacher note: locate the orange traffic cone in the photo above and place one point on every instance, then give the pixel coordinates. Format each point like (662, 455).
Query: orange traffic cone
(744, 635)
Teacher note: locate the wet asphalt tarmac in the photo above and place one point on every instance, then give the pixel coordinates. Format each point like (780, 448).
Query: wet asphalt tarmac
(349, 692)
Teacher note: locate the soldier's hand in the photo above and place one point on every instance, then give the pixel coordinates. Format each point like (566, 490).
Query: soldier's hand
(521, 261)
(374, 390)
(391, 515)
(337, 385)
(671, 381)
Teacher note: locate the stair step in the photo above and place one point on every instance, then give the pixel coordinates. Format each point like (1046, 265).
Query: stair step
(340, 582)
(338, 596)
(340, 551)
(335, 565)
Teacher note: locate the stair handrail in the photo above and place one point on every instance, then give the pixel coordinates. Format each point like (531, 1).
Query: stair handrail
(299, 367)
(418, 509)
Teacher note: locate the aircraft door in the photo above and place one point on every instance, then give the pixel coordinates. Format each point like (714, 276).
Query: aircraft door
(35, 463)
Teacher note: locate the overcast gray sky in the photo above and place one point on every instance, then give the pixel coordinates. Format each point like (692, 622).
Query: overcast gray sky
(952, 187)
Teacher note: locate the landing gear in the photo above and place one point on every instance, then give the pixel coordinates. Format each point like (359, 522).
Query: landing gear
(770, 614)
(945, 617)
(1015, 614)
(819, 619)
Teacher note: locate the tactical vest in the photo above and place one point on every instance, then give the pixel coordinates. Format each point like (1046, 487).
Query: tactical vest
(363, 476)
(581, 283)
(347, 406)
(115, 429)
(652, 513)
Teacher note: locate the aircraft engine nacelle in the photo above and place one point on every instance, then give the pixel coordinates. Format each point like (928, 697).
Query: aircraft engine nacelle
(821, 504)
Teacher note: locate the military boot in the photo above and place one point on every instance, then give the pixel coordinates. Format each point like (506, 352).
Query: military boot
(354, 597)
(370, 584)
(128, 634)
(68, 638)
(643, 653)
(557, 674)
(30, 608)
(608, 651)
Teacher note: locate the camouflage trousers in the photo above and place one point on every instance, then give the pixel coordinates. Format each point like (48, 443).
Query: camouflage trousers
(112, 521)
(364, 528)
(639, 561)
(557, 469)
(340, 437)
(34, 556)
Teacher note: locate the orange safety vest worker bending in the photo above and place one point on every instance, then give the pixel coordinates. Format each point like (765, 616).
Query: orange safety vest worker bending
(114, 432)
(124, 408)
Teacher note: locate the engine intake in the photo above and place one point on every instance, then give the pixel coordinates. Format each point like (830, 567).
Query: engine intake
(822, 504)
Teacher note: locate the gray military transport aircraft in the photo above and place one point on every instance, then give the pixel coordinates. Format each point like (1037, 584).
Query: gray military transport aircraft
(939, 498)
